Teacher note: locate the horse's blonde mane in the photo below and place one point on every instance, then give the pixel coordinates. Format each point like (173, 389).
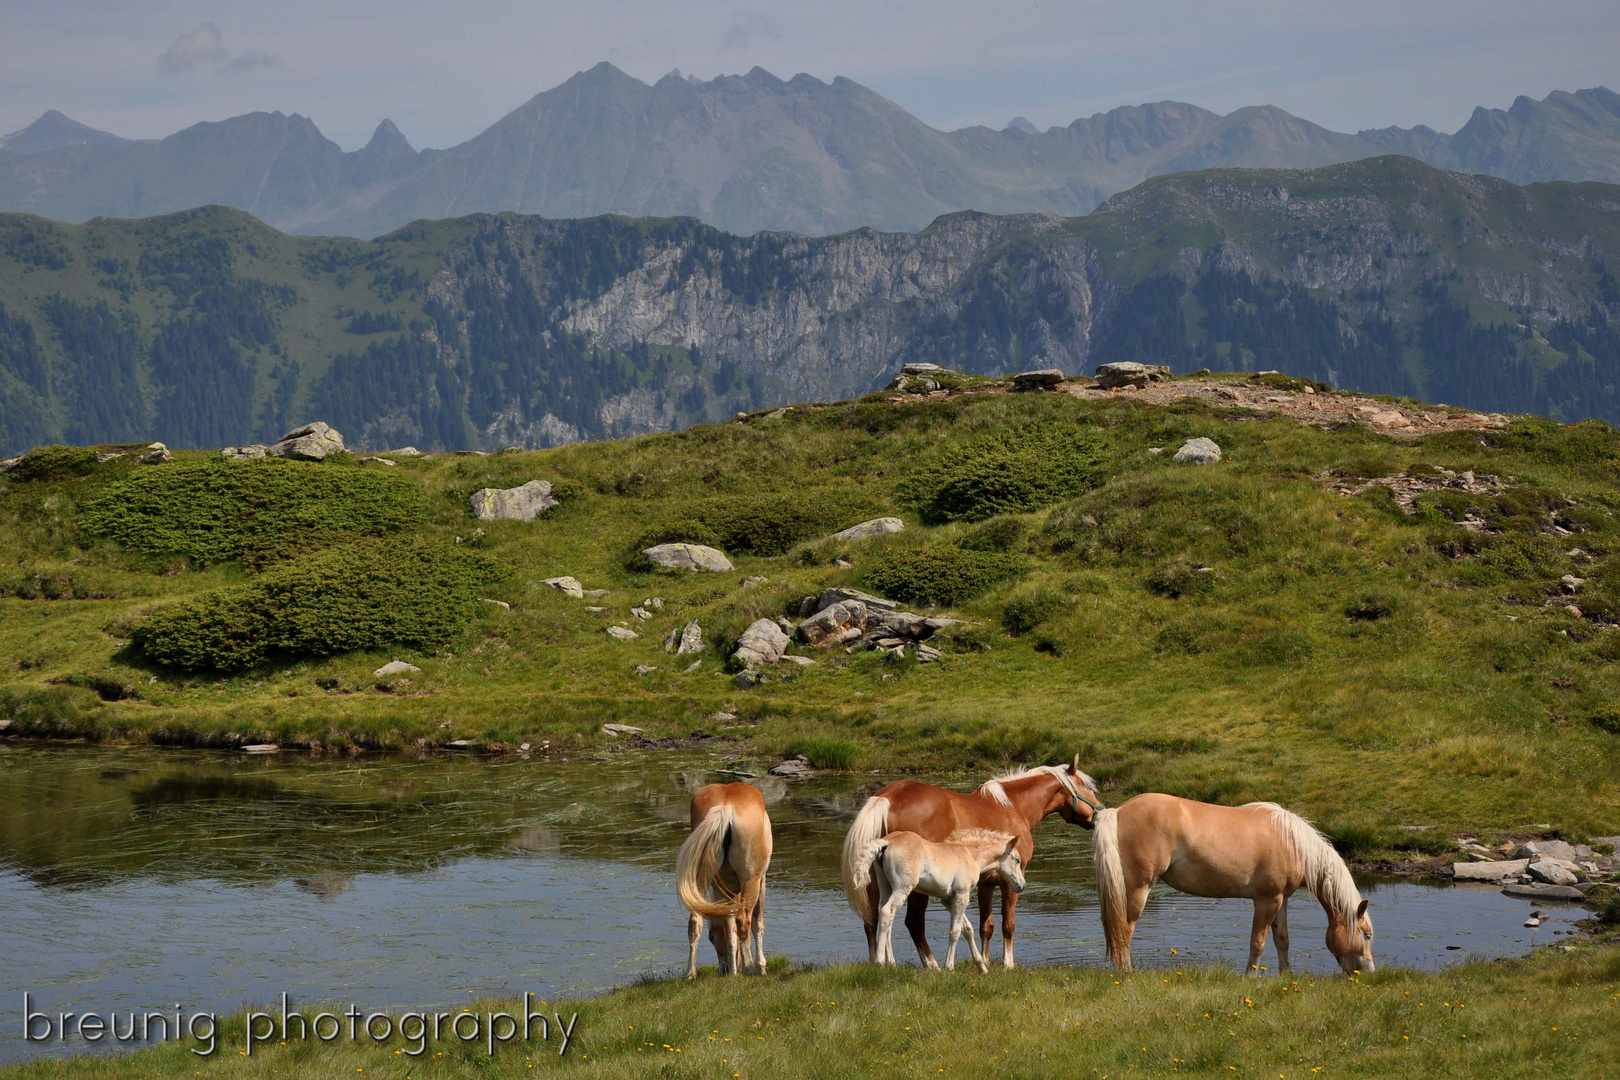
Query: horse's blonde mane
(993, 790)
(978, 836)
(1326, 875)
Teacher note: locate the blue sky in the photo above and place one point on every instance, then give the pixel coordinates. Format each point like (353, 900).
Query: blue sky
(443, 72)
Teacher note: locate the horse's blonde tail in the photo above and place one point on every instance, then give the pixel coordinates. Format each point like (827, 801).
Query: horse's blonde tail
(1110, 880)
(699, 861)
(869, 855)
(869, 825)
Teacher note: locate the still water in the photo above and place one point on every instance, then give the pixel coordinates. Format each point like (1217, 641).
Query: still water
(143, 878)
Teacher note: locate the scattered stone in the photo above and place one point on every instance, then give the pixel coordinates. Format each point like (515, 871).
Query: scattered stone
(395, 667)
(1130, 373)
(692, 557)
(1199, 451)
(11, 462)
(723, 717)
(1489, 871)
(927, 654)
(1545, 849)
(843, 564)
(762, 643)
(1570, 583)
(622, 633)
(244, 453)
(620, 729)
(404, 451)
(832, 625)
(802, 661)
(693, 666)
(379, 460)
(1531, 923)
(569, 585)
(524, 747)
(691, 640)
(5, 725)
(497, 603)
(260, 748)
(746, 680)
(641, 613)
(312, 442)
(754, 582)
(645, 669)
(1044, 379)
(459, 744)
(521, 503)
(1553, 872)
(837, 593)
(595, 609)
(156, 454)
(656, 603)
(1544, 892)
(794, 766)
(875, 527)
(1155, 449)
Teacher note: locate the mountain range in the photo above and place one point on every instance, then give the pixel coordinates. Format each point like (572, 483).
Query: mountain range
(209, 328)
(743, 153)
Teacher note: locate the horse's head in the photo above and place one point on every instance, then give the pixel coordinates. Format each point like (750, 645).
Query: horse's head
(1010, 866)
(1079, 809)
(1350, 941)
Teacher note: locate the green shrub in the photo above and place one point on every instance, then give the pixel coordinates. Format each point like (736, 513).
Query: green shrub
(771, 524)
(53, 463)
(938, 574)
(997, 534)
(1605, 717)
(824, 752)
(367, 594)
(1179, 578)
(1007, 472)
(211, 510)
(1028, 610)
(1372, 606)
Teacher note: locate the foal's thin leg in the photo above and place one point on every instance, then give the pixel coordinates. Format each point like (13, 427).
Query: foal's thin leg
(916, 913)
(733, 944)
(979, 955)
(885, 929)
(1279, 934)
(957, 906)
(1265, 909)
(759, 926)
(694, 930)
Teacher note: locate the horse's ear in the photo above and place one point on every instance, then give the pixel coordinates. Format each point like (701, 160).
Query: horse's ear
(1012, 845)
(1362, 910)
(1075, 768)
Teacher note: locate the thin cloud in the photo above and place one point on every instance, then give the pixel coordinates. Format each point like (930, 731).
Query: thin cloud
(203, 50)
(745, 27)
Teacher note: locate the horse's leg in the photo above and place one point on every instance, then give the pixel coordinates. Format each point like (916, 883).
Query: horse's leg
(979, 955)
(987, 919)
(916, 914)
(872, 902)
(694, 930)
(1265, 909)
(956, 904)
(1135, 901)
(1279, 934)
(759, 925)
(734, 944)
(1009, 906)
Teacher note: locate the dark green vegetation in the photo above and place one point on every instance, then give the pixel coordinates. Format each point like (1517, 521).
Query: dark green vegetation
(207, 328)
(1507, 1019)
(1226, 632)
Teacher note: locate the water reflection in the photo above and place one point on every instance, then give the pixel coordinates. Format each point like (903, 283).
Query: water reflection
(144, 877)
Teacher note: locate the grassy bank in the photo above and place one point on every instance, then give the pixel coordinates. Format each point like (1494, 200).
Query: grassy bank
(1226, 632)
(1553, 1014)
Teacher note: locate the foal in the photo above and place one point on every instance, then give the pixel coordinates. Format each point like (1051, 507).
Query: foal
(905, 863)
(720, 874)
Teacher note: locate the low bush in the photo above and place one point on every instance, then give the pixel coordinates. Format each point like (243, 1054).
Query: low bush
(210, 511)
(1605, 717)
(997, 534)
(824, 751)
(938, 574)
(53, 463)
(367, 594)
(771, 524)
(1180, 577)
(1027, 610)
(1372, 606)
(1013, 471)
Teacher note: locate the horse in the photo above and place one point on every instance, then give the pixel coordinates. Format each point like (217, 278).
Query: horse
(720, 875)
(907, 865)
(1012, 803)
(1259, 850)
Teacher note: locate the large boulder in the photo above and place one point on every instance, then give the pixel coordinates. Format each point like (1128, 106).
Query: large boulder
(692, 557)
(569, 585)
(1553, 871)
(691, 639)
(762, 643)
(1130, 373)
(1199, 451)
(312, 442)
(1489, 871)
(1546, 849)
(834, 624)
(1044, 379)
(521, 503)
(876, 527)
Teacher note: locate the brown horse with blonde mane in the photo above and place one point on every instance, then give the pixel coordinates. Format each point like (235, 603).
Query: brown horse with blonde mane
(1259, 851)
(1013, 803)
(720, 875)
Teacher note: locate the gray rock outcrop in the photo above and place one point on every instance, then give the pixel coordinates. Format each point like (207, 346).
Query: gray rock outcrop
(244, 453)
(522, 503)
(395, 667)
(1044, 379)
(1489, 871)
(622, 633)
(876, 527)
(567, 584)
(694, 557)
(1553, 872)
(1129, 373)
(762, 643)
(1199, 451)
(312, 442)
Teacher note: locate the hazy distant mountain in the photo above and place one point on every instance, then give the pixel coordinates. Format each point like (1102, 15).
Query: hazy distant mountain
(744, 153)
(53, 131)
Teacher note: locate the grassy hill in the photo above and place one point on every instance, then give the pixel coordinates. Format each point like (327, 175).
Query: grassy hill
(1229, 632)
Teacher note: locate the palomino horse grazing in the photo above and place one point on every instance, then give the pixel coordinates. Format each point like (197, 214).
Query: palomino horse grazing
(1013, 803)
(1260, 851)
(720, 874)
(903, 864)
